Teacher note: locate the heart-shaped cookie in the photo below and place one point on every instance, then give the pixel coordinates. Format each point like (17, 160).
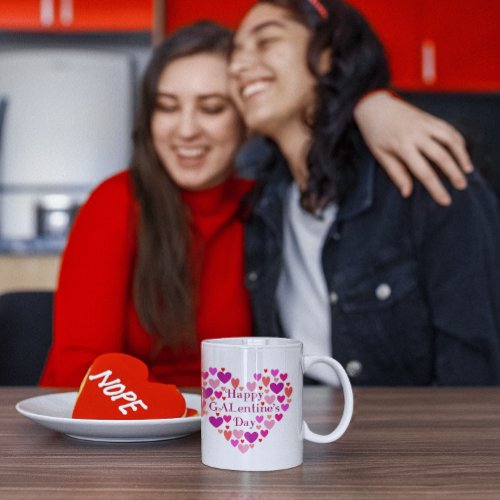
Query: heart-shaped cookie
(116, 387)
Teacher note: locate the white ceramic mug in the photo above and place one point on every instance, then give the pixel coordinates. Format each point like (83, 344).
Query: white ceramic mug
(252, 403)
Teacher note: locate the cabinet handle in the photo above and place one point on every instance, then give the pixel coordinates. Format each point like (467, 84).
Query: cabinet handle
(3, 114)
(46, 12)
(66, 12)
(429, 67)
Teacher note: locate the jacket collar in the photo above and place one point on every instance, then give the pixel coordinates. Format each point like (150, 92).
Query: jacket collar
(356, 202)
(361, 197)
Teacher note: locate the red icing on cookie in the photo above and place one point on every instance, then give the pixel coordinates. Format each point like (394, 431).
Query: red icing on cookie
(116, 387)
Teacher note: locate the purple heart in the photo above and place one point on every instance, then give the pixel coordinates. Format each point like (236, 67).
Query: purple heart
(274, 372)
(276, 388)
(207, 392)
(212, 371)
(251, 436)
(259, 418)
(284, 407)
(224, 377)
(216, 421)
(234, 442)
(257, 376)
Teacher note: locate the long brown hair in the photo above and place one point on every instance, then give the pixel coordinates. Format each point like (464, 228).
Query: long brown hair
(163, 281)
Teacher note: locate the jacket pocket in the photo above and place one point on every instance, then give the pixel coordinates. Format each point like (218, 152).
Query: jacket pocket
(382, 286)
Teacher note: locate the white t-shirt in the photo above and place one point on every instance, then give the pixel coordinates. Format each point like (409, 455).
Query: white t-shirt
(302, 294)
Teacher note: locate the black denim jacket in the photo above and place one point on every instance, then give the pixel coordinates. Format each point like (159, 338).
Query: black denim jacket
(414, 287)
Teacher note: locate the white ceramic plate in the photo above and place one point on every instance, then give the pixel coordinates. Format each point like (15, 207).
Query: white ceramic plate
(54, 411)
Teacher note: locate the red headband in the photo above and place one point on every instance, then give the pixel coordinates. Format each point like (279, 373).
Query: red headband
(320, 8)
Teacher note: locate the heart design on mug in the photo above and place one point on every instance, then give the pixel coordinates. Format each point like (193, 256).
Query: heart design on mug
(249, 411)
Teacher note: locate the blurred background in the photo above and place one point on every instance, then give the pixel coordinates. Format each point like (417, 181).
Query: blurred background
(69, 71)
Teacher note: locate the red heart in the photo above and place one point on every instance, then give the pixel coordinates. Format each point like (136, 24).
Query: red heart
(116, 387)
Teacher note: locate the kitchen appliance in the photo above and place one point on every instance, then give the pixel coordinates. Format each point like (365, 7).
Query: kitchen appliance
(65, 125)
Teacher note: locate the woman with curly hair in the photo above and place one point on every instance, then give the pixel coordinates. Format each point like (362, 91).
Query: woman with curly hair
(400, 290)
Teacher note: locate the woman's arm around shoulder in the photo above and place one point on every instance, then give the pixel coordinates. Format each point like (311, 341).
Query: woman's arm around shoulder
(404, 138)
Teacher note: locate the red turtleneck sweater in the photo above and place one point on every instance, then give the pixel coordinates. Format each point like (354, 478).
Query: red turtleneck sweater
(94, 309)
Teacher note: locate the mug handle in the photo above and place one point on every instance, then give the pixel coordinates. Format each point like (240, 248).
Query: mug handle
(309, 435)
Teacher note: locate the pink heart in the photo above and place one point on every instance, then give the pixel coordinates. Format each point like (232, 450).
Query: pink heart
(284, 407)
(274, 373)
(276, 388)
(218, 394)
(212, 371)
(259, 418)
(278, 417)
(234, 442)
(283, 376)
(264, 433)
(269, 399)
(281, 399)
(257, 376)
(224, 377)
(204, 375)
(243, 448)
(214, 382)
(251, 386)
(251, 436)
(216, 421)
(269, 424)
(238, 433)
(227, 418)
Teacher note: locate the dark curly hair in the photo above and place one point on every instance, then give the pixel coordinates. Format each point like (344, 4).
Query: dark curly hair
(358, 65)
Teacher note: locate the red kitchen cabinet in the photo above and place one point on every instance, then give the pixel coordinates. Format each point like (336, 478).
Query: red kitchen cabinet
(106, 15)
(464, 44)
(431, 44)
(180, 12)
(76, 15)
(439, 44)
(398, 25)
(26, 14)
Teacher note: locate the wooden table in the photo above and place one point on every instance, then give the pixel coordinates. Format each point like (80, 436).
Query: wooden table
(403, 443)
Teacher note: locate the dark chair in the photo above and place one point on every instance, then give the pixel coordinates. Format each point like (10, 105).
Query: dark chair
(25, 335)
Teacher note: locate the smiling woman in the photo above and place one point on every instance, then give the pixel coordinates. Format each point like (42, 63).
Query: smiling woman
(400, 291)
(274, 86)
(196, 130)
(154, 262)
